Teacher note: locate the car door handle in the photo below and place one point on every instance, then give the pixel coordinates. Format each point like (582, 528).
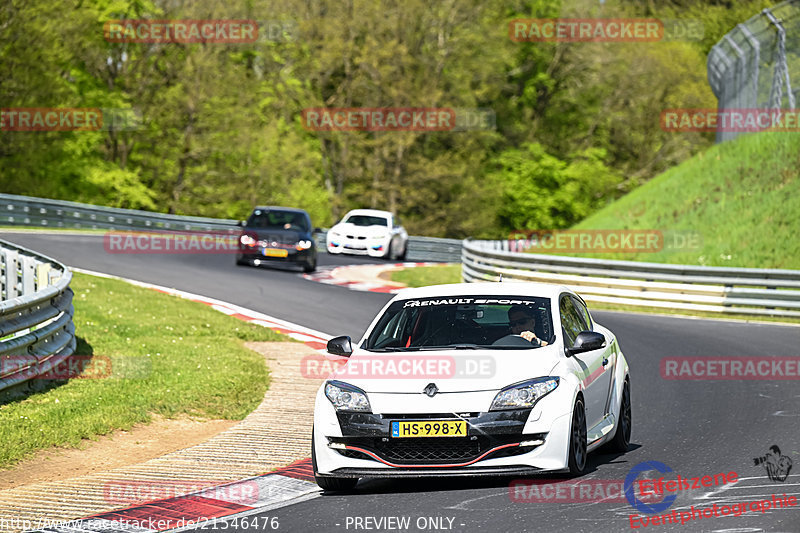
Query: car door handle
(605, 361)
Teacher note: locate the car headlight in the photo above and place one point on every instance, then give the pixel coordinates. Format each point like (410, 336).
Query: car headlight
(523, 395)
(335, 234)
(378, 236)
(303, 245)
(247, 240)
(346, 397)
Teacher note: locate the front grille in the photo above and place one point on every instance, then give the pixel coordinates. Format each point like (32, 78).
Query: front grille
(429, 450)
(444, 450)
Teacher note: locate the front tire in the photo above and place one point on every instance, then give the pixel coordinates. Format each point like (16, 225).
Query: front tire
(326, 483)
(402, 257)
(577, 440)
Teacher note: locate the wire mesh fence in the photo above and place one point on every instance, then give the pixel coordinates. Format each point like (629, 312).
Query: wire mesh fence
(756, 65)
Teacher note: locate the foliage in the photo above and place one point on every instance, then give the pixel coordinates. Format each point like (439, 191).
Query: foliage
(577, 124)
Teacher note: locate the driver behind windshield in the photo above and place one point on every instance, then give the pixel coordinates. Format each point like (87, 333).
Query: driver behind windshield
(523, 323)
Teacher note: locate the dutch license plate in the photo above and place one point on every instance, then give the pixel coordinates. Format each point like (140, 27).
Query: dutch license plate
(276, 252)
(429, 428)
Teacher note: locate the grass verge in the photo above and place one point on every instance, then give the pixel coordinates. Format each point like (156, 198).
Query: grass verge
(168, 356)
(742, 197)
(428, 275)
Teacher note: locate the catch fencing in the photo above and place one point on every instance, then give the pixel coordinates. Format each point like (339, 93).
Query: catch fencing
(756, 65)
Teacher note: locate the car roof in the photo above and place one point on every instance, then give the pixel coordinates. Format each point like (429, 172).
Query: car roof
(370, 212)
(279, 208)
(539, 290)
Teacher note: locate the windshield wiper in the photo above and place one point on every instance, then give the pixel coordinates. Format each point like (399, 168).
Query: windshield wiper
(460, 346)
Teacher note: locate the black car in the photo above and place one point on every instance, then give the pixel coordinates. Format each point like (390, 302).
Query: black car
(278, 234)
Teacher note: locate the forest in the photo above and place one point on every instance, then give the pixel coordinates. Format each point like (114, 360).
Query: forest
(222, 126)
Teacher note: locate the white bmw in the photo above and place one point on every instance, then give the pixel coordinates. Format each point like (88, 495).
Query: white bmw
(369, 232)
(470, 379)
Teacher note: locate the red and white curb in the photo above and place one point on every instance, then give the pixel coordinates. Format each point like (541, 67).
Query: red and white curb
(290, 484)
(349, 276)
(285, 486)
(311, 338)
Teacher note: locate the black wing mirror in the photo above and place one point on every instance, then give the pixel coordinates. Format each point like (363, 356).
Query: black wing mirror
(240, 223)
(586, 341)
(340, 346)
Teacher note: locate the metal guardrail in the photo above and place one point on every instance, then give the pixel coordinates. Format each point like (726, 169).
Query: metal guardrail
(752, 291)
(36, 329)
(29, 211)
(433, 249)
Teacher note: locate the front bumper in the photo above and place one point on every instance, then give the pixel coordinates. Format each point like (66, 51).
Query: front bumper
(437, 472)
(357, 246)
(497, 443)
(293, 255)
(489, 435)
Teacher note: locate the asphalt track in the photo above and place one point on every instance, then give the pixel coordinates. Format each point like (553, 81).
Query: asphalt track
(695, 427)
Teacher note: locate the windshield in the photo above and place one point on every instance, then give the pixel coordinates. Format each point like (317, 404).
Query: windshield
(461, 322)
(366, 220)
(274, 219)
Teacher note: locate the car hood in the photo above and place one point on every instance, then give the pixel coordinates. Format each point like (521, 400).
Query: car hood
(359, 231)
(450, 370)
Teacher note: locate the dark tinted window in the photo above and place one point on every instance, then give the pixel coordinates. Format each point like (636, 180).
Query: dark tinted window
(366, 220)
(425, 323)
(571, 321)
(584, 313)
(277, 219)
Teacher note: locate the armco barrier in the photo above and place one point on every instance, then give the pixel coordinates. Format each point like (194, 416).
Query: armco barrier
(749, 291)
(28, 211)
(36, 329)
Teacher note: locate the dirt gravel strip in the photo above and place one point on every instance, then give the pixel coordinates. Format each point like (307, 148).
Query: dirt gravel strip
(275, 434)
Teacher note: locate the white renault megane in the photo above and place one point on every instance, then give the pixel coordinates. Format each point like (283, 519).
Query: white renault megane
(472, 379)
